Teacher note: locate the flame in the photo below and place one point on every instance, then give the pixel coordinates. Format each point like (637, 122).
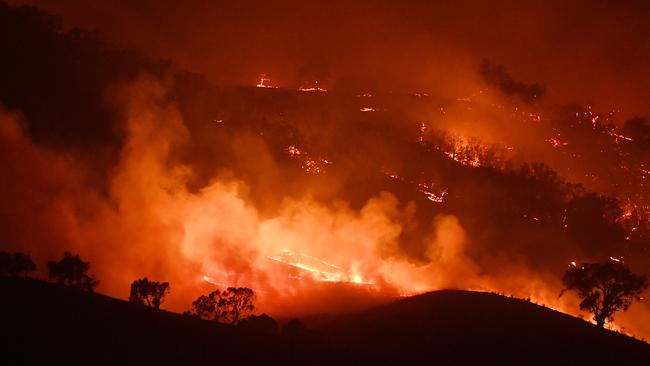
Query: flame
(293, 150)
(317, 269)
(423, 129)
(464, 151)
(618, 136)
(218, 235)
(473, 161)
(556, 143)
(307, 163)
(433, 194)
(264, 82)
(313, 87)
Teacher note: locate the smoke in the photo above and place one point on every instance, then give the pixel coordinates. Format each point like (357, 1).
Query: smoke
(202, 199)
(590, 53)
(497, 76)
(302, 257)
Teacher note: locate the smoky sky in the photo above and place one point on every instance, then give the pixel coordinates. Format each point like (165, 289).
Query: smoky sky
(203, 174)
(587, 52)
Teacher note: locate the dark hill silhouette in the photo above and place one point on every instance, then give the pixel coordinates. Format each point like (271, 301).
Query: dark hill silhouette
(46, 323)
(463, 327)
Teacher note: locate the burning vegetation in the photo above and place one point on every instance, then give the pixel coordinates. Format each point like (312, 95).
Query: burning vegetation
(303, 191)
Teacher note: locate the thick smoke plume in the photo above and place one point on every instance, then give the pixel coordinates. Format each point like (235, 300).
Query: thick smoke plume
(403, 178)
(586, 52)
(151, 224)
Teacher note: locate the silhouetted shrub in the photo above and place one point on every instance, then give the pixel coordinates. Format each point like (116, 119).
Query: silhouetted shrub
(71, 271)
(261, 324)
(293, 328)
(229, 306)
(148, 293)
(16, 264)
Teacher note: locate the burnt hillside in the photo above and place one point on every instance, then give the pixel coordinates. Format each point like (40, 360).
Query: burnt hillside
(43, 322)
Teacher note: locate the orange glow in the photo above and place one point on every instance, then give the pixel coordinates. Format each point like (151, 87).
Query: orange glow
(556, 143)
(307, 163)
(312, 87)
(265, 82)
(310, 152)
(618, 136)
(318, 269)
(433, 193)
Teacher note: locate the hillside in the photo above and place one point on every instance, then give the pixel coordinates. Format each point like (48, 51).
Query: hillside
(462, 327)
(45, 323)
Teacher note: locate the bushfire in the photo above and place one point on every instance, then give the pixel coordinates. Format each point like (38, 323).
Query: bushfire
(366, 159)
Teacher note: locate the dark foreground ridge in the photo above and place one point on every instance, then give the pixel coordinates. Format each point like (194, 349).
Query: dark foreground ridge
(465, 327)
(43, 323)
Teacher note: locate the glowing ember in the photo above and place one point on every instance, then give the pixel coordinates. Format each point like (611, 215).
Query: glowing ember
(293, 150)
(307, 163)
(433, 194)
(473, 161)
(311, 165)
(618, 136)
(534, 117)
(423, 129)
(314, 87)
(265, 82)
(556, 143)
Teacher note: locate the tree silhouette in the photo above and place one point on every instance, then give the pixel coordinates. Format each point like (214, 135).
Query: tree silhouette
(71, 271)
(293, 328)
(229, 306)
(205, 306)
(236, 303)
(16, 264)
(148, 293)
(604, 287)
(260, 324)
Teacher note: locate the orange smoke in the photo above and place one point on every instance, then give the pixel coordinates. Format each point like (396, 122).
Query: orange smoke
(300, 258)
